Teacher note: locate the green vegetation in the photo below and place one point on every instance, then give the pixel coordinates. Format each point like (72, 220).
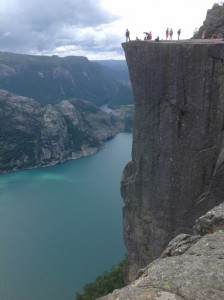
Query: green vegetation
(125, 113)
(52, 79)
(123, 96)
(80, 137)
(16, 145)
(104, 284)
(25, 140)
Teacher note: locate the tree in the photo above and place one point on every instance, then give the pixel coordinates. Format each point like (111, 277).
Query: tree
(104, 284)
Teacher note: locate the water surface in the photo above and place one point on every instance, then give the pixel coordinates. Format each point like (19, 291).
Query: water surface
(61, 226)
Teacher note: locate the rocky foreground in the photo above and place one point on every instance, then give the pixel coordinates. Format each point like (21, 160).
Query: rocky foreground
(191, 267)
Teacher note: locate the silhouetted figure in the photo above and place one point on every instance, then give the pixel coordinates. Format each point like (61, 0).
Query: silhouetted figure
(178, 33)
(167, 33)
(127, 35)
(157, 39)
(171, 33)
(146, 36)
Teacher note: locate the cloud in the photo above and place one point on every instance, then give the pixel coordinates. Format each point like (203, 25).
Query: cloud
(35, 26)
(92, 28)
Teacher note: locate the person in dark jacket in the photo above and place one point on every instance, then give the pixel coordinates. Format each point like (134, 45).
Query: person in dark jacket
(127, 35)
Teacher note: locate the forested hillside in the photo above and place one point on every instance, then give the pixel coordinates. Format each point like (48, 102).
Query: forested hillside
(50, 79)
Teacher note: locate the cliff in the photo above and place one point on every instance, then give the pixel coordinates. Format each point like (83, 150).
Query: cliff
(191, 268)
(32, 135)
(176, 173)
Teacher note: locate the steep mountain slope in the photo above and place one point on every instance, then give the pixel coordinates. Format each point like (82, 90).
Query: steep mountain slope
(51, 79)
(119, 70)
(32, 135)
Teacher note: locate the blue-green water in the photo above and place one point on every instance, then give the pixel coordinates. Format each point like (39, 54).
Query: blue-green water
(61, 226)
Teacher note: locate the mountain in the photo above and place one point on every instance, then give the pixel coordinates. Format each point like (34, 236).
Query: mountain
(119, 70)
(35, 135)
(50, 79)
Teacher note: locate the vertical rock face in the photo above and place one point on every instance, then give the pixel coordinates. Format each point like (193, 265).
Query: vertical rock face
(177, 168)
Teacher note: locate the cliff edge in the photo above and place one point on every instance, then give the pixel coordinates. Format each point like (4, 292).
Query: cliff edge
(177, 168)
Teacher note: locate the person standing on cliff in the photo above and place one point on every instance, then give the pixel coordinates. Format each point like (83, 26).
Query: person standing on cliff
(167, 33)
(171, 33)
(127, 35)
(178, 34)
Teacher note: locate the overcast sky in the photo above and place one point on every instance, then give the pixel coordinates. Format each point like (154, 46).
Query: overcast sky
(92, 28)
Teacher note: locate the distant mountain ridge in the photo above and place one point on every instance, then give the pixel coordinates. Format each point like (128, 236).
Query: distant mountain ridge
(118, 67)
(50, 79)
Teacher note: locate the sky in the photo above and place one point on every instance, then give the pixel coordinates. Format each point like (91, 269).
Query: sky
(92, 28)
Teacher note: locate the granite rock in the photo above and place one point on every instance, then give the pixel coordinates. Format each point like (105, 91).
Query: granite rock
(213, 23)
(194, 274)
(176, 173)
